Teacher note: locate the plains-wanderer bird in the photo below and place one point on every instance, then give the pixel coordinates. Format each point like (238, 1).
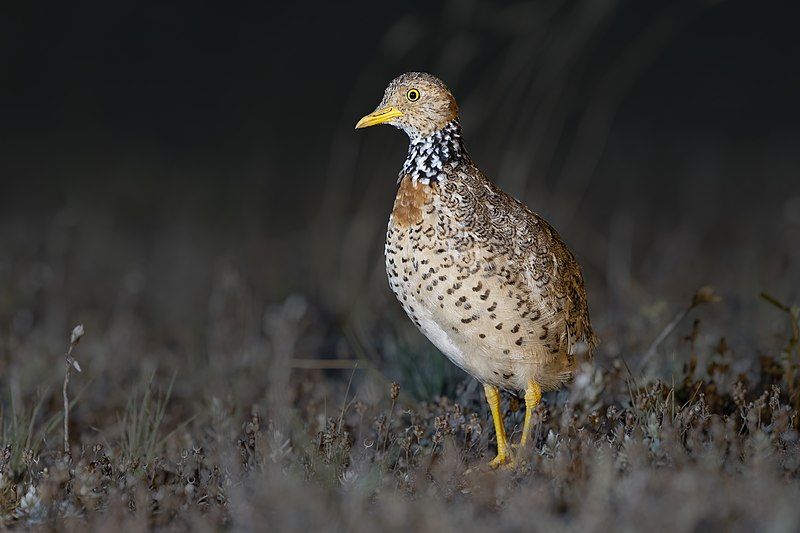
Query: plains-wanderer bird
(487, 280)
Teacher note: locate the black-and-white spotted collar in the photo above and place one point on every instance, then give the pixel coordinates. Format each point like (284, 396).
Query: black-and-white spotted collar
(429, 157)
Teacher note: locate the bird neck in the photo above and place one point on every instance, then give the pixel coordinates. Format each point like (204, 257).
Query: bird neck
(431, 156)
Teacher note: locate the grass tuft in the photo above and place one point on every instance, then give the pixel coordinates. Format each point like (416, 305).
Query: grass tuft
(141, 423)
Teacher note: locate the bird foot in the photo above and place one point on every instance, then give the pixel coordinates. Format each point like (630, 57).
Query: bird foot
(503, 459)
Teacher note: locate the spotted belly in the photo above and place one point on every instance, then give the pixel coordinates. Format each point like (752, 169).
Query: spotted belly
(451, 309)
(454, 340)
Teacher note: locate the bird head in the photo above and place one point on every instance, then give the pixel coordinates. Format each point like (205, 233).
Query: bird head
(416, 102)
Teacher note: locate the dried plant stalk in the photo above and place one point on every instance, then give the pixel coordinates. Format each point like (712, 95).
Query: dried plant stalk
(70, 362)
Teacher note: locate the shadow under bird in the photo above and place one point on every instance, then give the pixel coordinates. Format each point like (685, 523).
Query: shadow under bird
(488, 281)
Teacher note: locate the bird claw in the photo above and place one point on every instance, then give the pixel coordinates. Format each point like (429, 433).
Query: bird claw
(504, 460)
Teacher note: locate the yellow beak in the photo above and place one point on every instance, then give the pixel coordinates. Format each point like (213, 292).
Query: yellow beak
(379, 116)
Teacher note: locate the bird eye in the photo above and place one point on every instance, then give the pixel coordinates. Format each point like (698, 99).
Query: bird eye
(412, 95)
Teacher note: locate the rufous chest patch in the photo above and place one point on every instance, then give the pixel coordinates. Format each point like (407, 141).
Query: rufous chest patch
(412, 197)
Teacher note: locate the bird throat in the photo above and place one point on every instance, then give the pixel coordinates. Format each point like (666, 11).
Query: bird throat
(429, 158)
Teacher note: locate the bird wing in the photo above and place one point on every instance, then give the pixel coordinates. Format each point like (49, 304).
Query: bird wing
(554, 276)
(526, 252)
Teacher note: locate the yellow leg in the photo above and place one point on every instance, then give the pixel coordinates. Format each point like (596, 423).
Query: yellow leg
(533, 395)
(493, 397)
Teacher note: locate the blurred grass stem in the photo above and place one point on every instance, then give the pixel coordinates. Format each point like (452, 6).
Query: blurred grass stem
(70, 362)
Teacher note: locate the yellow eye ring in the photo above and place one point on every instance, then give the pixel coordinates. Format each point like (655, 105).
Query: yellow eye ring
(412, 95)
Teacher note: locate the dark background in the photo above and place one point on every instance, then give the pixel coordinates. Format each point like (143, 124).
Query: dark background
(159, 157)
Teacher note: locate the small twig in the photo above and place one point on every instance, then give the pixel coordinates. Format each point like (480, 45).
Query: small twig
(791, 353)
(70, 363)
(323, 364)
(395, 392)
(345, 405)
(691, 398)
(669, 328)
(777, 303)
(703, 295)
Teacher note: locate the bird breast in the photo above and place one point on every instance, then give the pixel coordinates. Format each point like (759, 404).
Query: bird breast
(459, 290)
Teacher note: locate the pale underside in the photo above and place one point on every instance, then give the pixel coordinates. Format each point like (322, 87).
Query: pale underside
(490, 283)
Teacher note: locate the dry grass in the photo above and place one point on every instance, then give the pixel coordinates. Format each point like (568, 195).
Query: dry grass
(346, 450)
